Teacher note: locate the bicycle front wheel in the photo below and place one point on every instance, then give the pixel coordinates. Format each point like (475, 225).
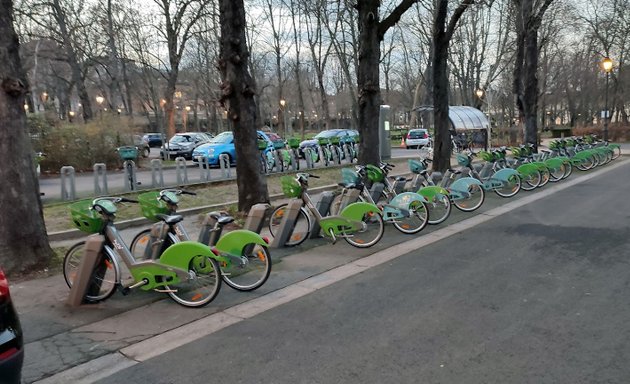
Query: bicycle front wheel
(417, 220)
(202, 285)
(439, 209)
(141, 245)
(544, 177)
(104, 276)
(370, 234)
(474, 200)
(531, 181)
(251, 272)
(301, 228)
(557, 173)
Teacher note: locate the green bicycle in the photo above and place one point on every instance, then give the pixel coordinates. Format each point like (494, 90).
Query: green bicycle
(188, 271)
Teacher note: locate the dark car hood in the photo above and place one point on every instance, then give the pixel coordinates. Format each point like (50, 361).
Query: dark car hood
(179, 146)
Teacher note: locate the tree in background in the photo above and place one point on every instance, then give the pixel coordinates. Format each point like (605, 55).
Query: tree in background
(442, 34)
(238, 90)
(371, 34)
(23, 239)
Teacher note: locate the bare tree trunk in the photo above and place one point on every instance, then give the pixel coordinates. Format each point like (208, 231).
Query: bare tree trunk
(442, 34)
(238, 97)
(25, 246)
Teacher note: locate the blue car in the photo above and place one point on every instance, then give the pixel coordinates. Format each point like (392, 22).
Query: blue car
(223, 143)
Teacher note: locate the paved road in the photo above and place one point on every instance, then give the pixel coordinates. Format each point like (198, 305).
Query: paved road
(536, 295)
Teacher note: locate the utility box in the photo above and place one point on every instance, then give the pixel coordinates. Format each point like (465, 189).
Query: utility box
(385, 142)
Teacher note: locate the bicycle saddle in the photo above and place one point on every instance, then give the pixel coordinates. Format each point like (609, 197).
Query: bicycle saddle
(170, 219)
(221, 218)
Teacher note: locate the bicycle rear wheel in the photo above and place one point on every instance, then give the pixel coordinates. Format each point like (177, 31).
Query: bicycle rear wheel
(557, 173)
(141, 245)
(104, 276)
(300, 231)
(251, 272)
(372, 232)
(545, 175)
(509, 187)
(473, 201)
(417, 220)
(202, 286)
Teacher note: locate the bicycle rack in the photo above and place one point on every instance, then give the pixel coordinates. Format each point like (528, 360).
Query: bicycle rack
(130, 180)
(288, 223)
(399, 185)
(256, 217)
(308, 156)
(204, 168)
(224, 161)
(376, 190)
(68, 192)
(157, 176)
(294, 161)
(100, 174)
(322, 155)
(182, 171)
(93, 247)
(323, 206)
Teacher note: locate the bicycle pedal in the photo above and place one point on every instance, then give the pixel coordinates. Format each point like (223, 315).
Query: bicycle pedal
(165, 290)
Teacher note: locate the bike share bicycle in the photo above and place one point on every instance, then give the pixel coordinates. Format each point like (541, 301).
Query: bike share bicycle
(128, 154)
(188, 271)
(360, 224)
(250, 264)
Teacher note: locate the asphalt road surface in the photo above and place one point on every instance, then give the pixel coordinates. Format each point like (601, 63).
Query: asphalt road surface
(536, 295)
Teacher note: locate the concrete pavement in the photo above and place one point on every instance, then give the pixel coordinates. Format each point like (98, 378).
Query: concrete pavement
(59, 338)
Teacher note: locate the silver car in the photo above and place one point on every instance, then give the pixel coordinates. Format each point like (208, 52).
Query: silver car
(417, 138)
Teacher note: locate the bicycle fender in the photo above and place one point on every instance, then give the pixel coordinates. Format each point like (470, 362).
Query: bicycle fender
(504, 174)
(233, 242)
(356, 211)
(527, 169)
(541, 165)
(463, 184)
(179, 255)
(554, 163)
(430, 192)
(404, 199)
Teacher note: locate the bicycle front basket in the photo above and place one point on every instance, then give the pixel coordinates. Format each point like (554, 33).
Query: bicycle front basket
(323, 140)
(290, 187)
(485, 155)
(334, 140)
(128, 152)
(84, 218)
(415, 166)
(374, 174)
(262, 145)
(294, 143)
(151, 205)
(463, 160)
(349, 176)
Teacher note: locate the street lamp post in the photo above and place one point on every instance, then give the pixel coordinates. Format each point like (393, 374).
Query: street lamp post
(99, 101)
(283, 118)
(607, 65)
(479, 94)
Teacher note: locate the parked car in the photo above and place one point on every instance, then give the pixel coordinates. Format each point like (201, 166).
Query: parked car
(344, 135)
(278, 142)
(143, 146)
(11, 338)
(183, 144)
(223, 143)
(417, 138)
(154, 139)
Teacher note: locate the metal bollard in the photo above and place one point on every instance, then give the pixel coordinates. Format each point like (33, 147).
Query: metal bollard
(68, 192)
(287, 224)
(295, 161)
(308, 156)
(204, 168)
(157, 176)
(100, 179)
(399, 185)
(224, 161)
(182, 171)
(93, 248)
(256, 217)
(323, 206)
(130, 175)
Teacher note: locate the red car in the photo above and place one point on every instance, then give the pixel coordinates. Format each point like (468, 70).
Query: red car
(11, 340)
